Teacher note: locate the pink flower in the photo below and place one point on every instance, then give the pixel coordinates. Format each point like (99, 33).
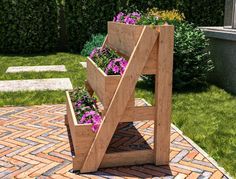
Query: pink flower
(95, 127)
(116, 66)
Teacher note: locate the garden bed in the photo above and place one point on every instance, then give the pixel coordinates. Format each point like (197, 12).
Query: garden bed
(104, 85)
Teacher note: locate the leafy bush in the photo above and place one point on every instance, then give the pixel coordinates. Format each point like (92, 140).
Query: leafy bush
(28, 26)
(95, 41)
(191, 60)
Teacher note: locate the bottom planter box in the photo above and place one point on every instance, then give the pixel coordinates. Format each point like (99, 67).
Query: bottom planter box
(82, 138)
(81, 134)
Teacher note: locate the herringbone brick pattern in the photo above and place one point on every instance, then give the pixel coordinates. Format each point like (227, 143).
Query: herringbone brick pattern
(34, 144)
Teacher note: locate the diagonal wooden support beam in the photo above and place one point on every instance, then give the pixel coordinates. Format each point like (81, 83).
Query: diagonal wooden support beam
(120, 99)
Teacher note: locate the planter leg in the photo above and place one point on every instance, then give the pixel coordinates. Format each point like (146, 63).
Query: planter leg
(66, 120)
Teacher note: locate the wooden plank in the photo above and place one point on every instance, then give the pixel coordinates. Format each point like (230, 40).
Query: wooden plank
(151, 65)
(71, 118)
(105, 41)
(163, 86)
(139, 113)
(81, 134)
(103, 85)
(120, 100)
(127, 158)
(66, 120)
(123, 37)
(96, 79)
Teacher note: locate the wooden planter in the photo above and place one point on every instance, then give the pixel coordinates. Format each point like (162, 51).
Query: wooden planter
(103, 85)
(149, 50)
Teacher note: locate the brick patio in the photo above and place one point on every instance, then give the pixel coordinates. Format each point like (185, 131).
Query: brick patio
(34, 144)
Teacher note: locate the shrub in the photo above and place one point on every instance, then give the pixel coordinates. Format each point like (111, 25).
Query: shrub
(28, 26)
(95, 41)
(191, 59)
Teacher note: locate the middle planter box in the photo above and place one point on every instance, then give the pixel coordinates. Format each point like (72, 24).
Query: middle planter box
(103, 85)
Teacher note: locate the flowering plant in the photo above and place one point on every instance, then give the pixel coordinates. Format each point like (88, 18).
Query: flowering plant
(152, 17)
(131, 18)
(116, 66)
(86, 110)
(109, 61)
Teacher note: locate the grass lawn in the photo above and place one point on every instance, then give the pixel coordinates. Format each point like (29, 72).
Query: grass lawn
(74, 71)
(206, 117)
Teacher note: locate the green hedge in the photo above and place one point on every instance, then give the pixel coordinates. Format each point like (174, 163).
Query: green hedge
(84, 18)
(32, 26)
(199, 12)
(28, 26)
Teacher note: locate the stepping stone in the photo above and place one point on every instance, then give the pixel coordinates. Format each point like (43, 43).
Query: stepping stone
(84, 64)
(35, 85)
(17, 69)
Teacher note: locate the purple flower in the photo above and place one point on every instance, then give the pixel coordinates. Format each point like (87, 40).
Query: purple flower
(95, 52)
(131, 18)
(119, 17)
(91, 117)
(116, 66)
(97, 118)
(95, 127)
(116, 69)
(78, 104)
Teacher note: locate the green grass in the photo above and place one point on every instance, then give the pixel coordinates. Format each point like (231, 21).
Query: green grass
(209, 119)
(74, 71)
(206, 117)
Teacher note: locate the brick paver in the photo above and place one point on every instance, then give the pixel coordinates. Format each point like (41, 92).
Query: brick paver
(34, 143)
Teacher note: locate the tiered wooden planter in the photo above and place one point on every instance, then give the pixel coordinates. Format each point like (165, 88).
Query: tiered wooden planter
(149, 50)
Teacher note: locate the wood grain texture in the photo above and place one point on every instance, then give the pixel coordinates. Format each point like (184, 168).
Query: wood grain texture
(163, 95)
(127, 158)
(139, 113)
(123, 38)
(103, 85)
(120, 99)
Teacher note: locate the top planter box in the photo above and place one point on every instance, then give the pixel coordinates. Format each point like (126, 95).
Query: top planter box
(123, 38)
